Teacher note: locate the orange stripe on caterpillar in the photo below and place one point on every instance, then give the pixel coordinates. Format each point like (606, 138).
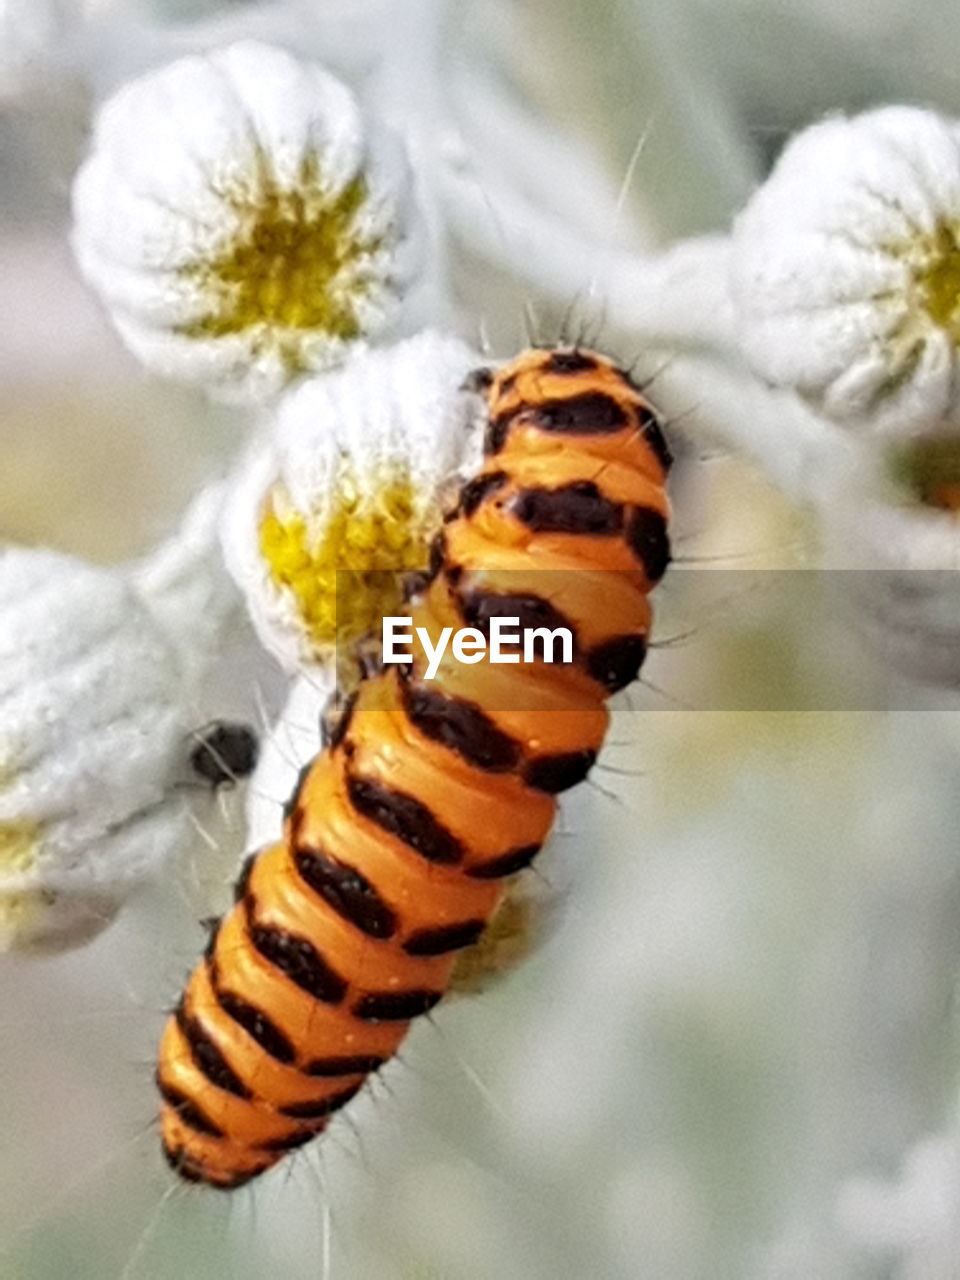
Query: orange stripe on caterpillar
(404, 831)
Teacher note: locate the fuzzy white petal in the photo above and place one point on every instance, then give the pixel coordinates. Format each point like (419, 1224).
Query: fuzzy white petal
(263, 81)
(135, 231)
(176, 135)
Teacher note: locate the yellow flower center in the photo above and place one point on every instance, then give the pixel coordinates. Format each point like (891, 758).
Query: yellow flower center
(939, 279)
(346, 575)
(19, 846)
(934, 262)
(296, 265)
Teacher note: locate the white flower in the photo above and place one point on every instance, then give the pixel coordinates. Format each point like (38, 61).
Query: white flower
(92, 739)
(348, 493)
(846, 270)
(239, 221)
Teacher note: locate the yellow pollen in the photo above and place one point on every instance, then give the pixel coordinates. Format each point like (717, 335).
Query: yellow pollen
(939, 280)
(295, 265)
(934, 262)
(19, 846)
(348, 574)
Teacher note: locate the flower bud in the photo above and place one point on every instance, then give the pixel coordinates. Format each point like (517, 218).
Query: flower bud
(348, 493)
(846, 270)
(239, 220)
(93, 739)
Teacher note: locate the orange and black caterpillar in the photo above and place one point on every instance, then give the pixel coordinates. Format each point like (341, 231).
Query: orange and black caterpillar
(400, 836)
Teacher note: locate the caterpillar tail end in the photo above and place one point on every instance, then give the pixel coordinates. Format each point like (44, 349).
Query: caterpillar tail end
(207, 1161)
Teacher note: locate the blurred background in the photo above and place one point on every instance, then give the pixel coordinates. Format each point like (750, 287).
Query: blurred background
(733, 1053)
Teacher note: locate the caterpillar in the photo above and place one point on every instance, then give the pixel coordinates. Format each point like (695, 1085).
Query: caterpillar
(428, 796)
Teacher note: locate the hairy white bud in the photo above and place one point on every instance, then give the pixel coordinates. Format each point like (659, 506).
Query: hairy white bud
(239, 220)
(348, 493)
(92, 741)
(846, 270)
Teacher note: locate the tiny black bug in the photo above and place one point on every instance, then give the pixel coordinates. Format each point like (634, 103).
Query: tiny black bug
(224, 752)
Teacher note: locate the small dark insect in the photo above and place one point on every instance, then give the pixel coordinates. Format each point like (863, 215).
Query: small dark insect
(478, 380)
(224, 753)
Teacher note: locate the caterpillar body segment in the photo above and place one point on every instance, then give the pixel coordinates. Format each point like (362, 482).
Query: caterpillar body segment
(430, 793)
